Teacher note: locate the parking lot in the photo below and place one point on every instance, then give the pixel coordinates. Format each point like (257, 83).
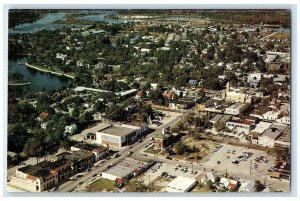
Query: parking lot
(239, 159)
(159, 169)
(163, 117)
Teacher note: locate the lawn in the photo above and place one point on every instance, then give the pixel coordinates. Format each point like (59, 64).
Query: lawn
(100, 185)
(204, 147)
(152, 150)
(199, 189)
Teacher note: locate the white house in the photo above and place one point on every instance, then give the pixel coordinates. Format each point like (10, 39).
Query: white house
(153, 85)
(229, 183)
(71, 129)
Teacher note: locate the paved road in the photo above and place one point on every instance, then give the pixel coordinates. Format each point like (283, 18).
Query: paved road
(72, 185)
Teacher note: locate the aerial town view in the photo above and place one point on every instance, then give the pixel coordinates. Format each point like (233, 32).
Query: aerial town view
(155, 100)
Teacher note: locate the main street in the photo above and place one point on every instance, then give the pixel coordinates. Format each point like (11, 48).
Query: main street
(139, 146)
(71, 185)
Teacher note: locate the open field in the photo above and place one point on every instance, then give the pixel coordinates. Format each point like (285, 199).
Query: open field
(282, 35)
(204, 147)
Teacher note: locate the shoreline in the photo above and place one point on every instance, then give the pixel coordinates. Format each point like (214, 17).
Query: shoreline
(48, 71)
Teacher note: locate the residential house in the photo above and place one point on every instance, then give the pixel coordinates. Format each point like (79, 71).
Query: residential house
(43, 116)
(229, 183)
(71, 129)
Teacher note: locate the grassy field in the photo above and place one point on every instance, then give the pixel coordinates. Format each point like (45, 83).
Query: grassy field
(100, 185)
(204, 147)
(280, 35)
(151, 150)
(199, 189)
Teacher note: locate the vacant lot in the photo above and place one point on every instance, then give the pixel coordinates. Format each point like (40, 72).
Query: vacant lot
(101, 185)
(282, 35)
(204, 147)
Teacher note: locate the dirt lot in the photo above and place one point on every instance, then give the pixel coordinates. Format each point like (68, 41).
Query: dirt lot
(226, 159)
(204, 146)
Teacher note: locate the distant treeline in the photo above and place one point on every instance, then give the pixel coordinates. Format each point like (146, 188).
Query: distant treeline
(22, 16)
(240, 16)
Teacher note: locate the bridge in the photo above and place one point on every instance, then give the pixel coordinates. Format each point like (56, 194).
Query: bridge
(19, 84)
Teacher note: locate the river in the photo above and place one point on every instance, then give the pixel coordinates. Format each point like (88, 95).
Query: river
(43, 81)
(39, 81)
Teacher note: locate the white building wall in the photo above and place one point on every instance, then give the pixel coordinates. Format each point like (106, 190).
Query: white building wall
(109, 176)
(266, 141)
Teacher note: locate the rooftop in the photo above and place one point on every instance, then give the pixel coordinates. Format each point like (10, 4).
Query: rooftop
(88, 147)
(181, 183)
(126, 167)
(286, 136)
(261, 127)
(274, 131)
(117, 130)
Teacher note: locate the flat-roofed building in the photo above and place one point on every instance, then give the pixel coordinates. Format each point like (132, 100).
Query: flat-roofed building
(236, 108)
(240, 125)
(267, 139)
(258, 131)
(181, 184)
(100, 152)
(285, 139)
(125, 169)
(42, 176)
(220, 117)
(272, 115)
(116, 136)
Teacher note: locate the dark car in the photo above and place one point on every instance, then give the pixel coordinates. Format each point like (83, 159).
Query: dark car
(168, 157)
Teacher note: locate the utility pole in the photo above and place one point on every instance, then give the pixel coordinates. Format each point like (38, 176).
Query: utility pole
(250, 166)
(265, 181)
